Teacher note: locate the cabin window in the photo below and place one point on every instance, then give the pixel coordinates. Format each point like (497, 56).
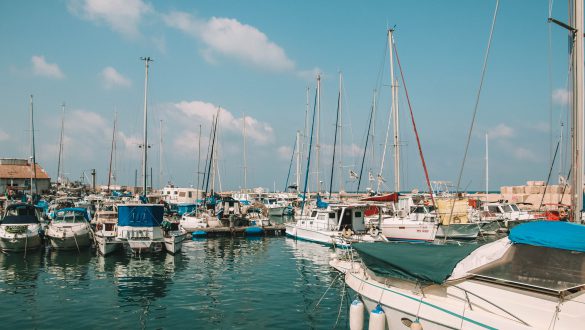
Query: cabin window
(493, 209)
(314, 213)
(175, 192)
(358, 214)
(331, 215)
(190, 194)
(168, 192)
(514, 207)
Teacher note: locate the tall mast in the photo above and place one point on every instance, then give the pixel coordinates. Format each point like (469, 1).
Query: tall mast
(245, 163)
(341, 188)
(146, 60)
(32, 146)
(335, 142)
(487, 170)
(577, 111)
(298, 167)
(317, 145)
(112, 150)
(199, 158)
(61, 143)
(394, 84)
(160, 156)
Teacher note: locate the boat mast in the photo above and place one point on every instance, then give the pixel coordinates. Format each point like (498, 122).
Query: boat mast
(487, 172)
(61, 143)
(298, 167)
(112, 150)
(317, 145)
(394, 84)
(199, 159)
(335, 139)
(245, 162)
(341, 187)
(34, 160)
(160, 156)
(146, 60)
(577, 111)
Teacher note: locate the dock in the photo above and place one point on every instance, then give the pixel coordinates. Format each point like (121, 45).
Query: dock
(275, 230)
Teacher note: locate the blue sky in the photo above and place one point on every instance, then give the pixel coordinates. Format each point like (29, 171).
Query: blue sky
(257, 58)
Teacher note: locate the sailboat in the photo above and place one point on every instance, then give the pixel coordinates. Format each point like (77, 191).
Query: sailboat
(533, 279)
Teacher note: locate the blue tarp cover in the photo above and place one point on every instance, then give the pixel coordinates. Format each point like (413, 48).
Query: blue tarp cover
(553, 234)
(140, 215)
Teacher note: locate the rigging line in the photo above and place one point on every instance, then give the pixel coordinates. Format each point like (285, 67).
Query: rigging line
(365, 148)
(292, 157)
(485, 61)
(334, 144)
(422, 158)
(309, 155)
(552, 165)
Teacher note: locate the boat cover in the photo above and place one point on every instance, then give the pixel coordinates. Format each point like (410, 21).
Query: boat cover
(140, 215)
(553, 234)
(80, 210)
(418, 262)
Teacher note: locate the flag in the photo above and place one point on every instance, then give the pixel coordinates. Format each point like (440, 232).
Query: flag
(370, 176)
(353, 175)
(380, 178)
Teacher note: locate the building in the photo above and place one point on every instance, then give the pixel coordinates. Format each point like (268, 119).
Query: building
(16, 174)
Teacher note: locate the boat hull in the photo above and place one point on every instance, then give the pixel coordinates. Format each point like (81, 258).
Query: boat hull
(106, 244)
(20, 244)
(459, 230)
(409, 231)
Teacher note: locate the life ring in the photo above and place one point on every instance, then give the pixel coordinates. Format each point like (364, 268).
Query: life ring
(347, 233)
(373, 232)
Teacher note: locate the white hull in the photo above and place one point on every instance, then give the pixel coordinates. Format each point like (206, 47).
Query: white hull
(448, 307)
(276, 211)
(409, 230)
(69, 236)
(106, 244)
(461, 231)
(174, 243)
(318, 236)
(28, 240)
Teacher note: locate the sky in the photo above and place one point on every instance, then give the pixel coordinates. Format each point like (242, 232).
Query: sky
(256, 60)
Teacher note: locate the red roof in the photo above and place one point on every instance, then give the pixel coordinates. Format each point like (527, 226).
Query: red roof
(21, 172)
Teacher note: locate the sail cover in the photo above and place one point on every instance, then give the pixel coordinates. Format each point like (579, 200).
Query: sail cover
(553, 234)
(418, 262)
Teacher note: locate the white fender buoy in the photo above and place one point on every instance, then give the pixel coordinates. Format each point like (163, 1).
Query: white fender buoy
(356, 315)
(377, 319)
(416, 325)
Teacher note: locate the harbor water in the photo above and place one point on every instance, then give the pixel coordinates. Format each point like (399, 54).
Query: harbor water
(219, 283)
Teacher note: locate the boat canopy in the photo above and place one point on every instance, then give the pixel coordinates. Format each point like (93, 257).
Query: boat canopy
(552, 234)
(73, 210)
(140, 215)
(418, 262)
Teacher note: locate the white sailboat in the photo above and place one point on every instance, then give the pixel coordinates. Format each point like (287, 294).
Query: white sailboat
(512, 283)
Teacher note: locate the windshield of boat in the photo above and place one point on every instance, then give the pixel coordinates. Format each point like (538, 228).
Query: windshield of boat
(108, 216)
(507, 208)
(21, 210)
(494, 209)
(542, 268)
(69, 216)
(515, 207)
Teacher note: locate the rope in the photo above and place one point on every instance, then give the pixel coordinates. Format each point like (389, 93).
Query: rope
(75, 238)
(25, 243)
(549, 173)
(485, 61)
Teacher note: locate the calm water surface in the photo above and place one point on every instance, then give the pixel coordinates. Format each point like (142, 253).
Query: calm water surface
(220, 283)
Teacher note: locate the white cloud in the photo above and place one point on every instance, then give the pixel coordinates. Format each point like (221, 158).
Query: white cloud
(524, 154)
(260, 132)
(121, 16)
(4, 136)
(228, 37)
(501, 131)
(561, 96)
(42, 68)
(284, 152)
(112, 78)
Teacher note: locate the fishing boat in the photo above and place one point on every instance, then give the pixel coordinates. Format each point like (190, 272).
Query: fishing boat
(106, 220)
(512, 283)
(69, 229)
(139, 226)
(20, 228)
(338, 224)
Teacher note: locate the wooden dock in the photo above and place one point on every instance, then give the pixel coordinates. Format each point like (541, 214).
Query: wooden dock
(275, 230)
